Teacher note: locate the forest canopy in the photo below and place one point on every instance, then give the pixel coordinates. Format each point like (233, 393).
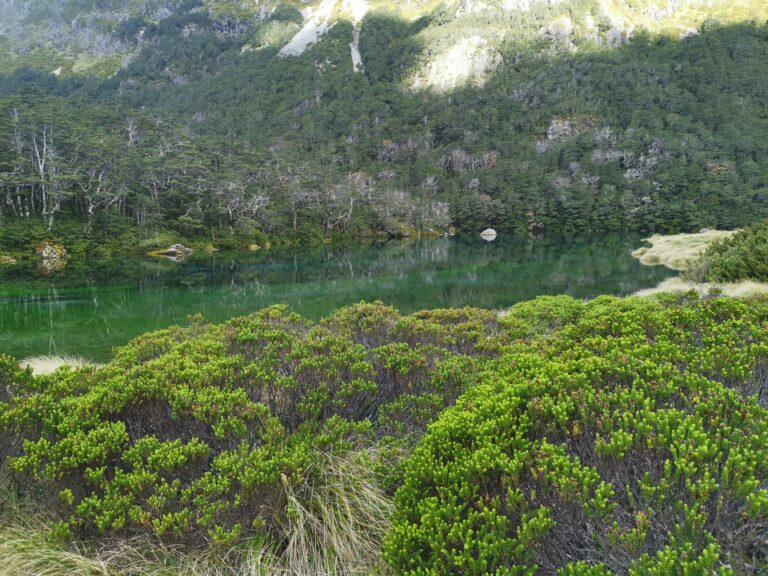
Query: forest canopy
(205, 136)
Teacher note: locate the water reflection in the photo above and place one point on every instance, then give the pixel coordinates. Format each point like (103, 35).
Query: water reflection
(91, 307)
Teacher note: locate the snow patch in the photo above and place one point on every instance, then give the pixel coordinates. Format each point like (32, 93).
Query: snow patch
(318, 22)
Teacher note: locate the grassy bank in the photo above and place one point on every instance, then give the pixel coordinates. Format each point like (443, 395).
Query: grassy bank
(732, 263)
(678, 251)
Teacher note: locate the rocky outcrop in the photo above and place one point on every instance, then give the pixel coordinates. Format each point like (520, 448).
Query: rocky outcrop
(471, 61)
(177, 252)
(51, 257)
(6, 260)
(316, 24)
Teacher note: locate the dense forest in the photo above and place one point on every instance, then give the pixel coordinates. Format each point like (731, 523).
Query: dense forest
(206, 131)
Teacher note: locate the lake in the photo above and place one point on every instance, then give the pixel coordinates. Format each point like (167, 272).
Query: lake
(89, 308)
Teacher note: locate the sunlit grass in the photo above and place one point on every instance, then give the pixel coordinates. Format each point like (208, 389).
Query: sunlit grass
(43, 365)
(678, 251)
(743, 289)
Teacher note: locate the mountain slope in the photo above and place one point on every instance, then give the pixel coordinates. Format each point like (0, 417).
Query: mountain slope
(372, 117)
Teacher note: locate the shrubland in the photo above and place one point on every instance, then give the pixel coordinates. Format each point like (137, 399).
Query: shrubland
(616, 436)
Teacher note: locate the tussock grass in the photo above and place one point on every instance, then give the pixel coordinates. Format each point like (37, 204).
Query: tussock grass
(25, 551)
(335, 524)
(678, 251)
(43, 365)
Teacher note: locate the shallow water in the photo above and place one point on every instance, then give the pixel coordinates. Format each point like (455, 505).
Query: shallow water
(89, 308)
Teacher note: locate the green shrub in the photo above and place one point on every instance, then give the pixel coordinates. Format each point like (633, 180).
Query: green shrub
(743, 256)
(205, 431)
(632, 441)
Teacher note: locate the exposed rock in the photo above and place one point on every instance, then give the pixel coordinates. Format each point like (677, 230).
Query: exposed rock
(470, 61)
(177, 252)
(357, 9)
(615, 38)
(489, 234)
(510, 5)
(560, 32)
(316, 24)
(357, 57)
(561, 129)
(6, 260)
(52, 257)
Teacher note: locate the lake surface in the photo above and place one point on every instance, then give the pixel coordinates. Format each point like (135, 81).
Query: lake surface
(88, 309)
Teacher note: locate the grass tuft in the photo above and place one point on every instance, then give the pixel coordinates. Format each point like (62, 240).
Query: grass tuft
(335, 525)
(44, 365)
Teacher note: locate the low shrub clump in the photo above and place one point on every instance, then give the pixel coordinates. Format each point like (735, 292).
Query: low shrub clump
(631, 441)
(211, 433)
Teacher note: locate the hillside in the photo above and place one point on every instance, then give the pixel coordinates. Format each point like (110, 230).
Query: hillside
(250, 120)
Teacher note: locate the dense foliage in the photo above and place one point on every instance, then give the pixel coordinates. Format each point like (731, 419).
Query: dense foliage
(203, 429)
(207, 132)
(632, 441)
(743, 256)
(580, 438)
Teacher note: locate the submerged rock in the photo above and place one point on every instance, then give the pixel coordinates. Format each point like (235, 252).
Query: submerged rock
(52, 257)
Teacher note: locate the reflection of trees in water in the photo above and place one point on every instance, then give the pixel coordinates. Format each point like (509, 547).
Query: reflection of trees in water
(464, 295)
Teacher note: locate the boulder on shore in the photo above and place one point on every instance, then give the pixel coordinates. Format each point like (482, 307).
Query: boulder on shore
(176, 252)
(489, 234)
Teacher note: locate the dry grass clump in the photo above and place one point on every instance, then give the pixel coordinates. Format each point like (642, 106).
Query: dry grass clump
(678, 251)
(44, 365)
(334, 525)
(743, 289)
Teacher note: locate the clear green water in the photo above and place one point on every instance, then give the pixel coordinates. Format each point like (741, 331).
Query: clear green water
(92, 307)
